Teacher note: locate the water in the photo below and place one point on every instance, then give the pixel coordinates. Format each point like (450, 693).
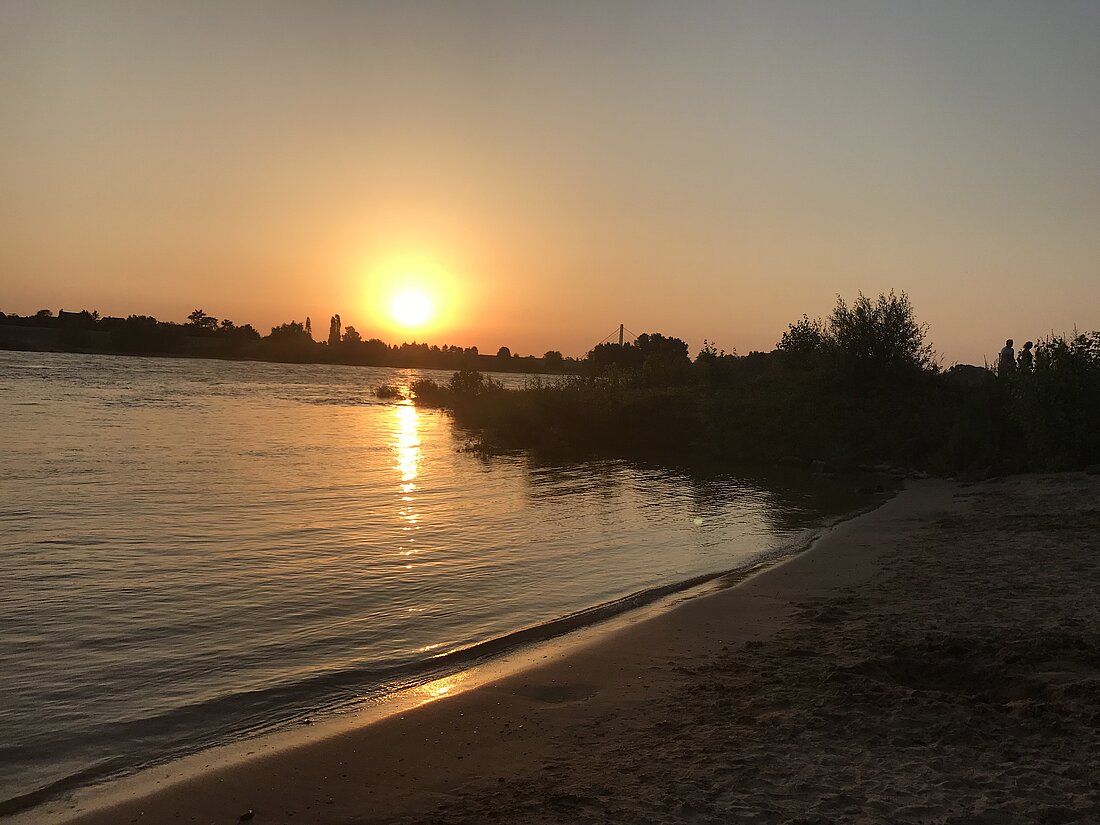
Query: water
(194, 550)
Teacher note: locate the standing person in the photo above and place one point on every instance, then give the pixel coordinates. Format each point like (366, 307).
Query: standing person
(1027, 358)
(1007, 360)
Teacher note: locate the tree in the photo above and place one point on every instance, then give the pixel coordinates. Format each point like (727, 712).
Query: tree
(334, 331)
(143, 333)
(667, 351)
(804, 342)
(880, 336)
(661, 357)
(868, 339)
(289, 332)
(604, 356)
(202, 322)
(289, 342)
(351, 336)
(504, 352)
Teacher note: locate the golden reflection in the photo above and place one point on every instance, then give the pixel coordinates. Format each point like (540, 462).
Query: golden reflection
(442, 687)
(408, 446)
(408, 453)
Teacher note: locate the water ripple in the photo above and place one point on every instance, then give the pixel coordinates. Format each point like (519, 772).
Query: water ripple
(192, 550)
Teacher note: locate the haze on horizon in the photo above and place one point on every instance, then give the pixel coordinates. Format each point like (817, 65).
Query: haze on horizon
(548, 170)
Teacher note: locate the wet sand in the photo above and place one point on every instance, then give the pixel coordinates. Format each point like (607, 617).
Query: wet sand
(936, 661)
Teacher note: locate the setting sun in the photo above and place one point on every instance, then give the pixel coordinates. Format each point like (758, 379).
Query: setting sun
(411, 293)
(412, 308)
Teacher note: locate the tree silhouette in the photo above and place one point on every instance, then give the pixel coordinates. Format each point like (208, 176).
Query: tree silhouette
(289, 332)
(202, 322)
(605, 356)
(880, 336)
(868, 339)
(668, 351)
(804, 342)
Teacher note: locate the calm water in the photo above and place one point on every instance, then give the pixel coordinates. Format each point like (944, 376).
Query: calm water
(193, 550)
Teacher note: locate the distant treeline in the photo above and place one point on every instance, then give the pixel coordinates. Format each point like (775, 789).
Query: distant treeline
(862, 387)
(208, 337)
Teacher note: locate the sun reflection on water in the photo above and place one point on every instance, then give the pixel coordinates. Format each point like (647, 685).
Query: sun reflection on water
(409, 455)
(408, 445)
(440, 688)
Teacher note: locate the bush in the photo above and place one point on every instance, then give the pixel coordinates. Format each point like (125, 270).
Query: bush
(881, 336)
(1054, 405)
(805, 343)
(868, 340)
(427, 393)
(471, 383)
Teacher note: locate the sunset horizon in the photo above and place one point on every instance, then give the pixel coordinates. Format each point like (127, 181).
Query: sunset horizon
(712, 173)
(553, 412)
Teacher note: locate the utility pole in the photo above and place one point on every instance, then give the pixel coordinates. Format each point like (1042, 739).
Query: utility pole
(620, 335)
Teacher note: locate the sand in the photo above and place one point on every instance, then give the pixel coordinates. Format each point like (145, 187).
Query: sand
(936, 660)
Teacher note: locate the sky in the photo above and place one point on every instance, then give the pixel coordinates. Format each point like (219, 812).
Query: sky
(544, 171)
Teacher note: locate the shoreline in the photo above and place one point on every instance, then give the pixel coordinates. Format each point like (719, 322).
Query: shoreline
(104, 799)
(930, 661)
(50, 339)
(482, 662)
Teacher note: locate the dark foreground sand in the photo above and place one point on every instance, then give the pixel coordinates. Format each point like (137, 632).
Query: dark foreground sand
(937, 660)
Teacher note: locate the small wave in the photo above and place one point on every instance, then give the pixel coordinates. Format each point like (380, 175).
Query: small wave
(114, 766)
(172, 734)
(602, 612)
(345, 401)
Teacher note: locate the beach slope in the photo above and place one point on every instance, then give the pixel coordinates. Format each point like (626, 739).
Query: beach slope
(935, 660)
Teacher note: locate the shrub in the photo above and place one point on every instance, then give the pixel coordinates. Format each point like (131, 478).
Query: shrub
(427, 393)
(471, 383)
(805, 343)
(880, 337)
(1054, 406)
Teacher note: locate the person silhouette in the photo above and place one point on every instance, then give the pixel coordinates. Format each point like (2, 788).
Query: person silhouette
(1007, 360)
(1027, 358)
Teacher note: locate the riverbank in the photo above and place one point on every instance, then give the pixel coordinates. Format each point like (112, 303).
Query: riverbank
(932, 661)
(179, 344)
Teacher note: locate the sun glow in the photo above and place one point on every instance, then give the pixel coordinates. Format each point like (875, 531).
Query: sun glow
(412, 308)
(407, 293)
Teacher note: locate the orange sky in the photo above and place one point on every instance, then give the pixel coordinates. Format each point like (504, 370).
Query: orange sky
(551, 170)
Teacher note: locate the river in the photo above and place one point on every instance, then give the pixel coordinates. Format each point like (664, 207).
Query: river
(193, 551)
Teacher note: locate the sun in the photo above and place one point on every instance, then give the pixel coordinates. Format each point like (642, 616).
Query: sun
(411, 293)
(412, 308)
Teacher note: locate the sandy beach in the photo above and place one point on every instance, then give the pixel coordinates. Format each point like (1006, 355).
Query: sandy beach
(936, 660)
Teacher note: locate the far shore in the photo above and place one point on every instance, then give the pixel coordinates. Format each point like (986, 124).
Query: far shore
(931, 661)
(55, 340)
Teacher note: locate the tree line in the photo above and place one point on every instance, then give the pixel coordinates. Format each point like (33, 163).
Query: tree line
(204, 335)
(863, 386)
